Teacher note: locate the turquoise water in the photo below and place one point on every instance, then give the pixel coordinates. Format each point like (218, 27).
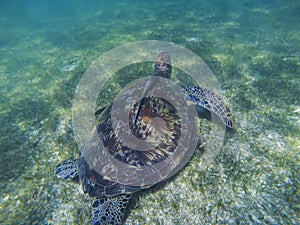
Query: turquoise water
(252, 47)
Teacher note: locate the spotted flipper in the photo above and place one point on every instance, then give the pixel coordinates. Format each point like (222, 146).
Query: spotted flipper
(67, 169)
(110, 210)
(210, 101)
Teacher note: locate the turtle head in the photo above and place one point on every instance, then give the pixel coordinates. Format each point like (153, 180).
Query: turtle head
(162, 66)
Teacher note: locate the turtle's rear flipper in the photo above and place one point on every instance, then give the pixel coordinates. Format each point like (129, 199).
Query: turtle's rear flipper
(67, 169)
(210, 101)
(110, 210)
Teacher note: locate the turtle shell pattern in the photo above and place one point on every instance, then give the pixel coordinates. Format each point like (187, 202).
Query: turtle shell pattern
(153, 118)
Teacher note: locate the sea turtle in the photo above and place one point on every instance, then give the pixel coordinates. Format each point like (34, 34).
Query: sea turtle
(112, 197)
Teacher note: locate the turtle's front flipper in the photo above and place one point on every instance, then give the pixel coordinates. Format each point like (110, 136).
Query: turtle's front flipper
(67, 169)
(110, 210)
(210, 101)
